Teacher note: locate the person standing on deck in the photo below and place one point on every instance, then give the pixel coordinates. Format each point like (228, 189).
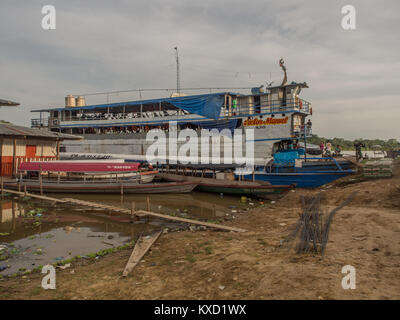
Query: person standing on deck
(322, 147)
(358, 145)
(328, 148)
(308, 127)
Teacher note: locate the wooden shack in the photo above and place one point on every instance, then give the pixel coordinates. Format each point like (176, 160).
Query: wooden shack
(19, 144)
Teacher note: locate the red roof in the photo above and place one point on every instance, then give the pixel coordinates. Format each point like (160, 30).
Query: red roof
(79, 166)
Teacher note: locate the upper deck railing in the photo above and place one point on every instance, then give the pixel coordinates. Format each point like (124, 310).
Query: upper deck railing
(40, 123)
(234, 110)
(275, 106)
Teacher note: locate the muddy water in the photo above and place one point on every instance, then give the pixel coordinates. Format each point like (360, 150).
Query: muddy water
(35, 233)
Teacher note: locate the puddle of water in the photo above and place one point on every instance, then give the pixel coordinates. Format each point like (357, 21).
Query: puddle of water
(58, 234)
(196, 204)
(34, 232)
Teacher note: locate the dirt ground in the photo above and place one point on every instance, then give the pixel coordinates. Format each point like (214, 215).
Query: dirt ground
(253, 265)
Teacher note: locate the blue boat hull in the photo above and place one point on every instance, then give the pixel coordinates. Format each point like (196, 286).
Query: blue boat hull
(299, 179)
(310, 168)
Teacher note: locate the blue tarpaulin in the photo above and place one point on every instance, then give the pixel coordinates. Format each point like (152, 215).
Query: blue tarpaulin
(285, 157)
(206, 105)
(219, 125)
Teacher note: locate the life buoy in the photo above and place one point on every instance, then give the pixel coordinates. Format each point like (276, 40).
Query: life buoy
(311, 110)
(301, 104)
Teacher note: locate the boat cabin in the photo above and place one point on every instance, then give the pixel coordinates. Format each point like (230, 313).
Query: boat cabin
(195, 112)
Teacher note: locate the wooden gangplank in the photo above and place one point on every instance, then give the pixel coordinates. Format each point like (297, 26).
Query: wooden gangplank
(201, 223)
(32, 195)
(153, 214)
(353, 160)
(142, 245)
(125, 210)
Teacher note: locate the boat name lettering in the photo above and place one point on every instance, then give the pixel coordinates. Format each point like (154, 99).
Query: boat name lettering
(268, 121)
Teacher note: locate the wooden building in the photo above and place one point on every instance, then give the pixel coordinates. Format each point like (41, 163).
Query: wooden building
(19, 144)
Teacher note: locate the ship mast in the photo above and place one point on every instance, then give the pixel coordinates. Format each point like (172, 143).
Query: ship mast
(178, 80)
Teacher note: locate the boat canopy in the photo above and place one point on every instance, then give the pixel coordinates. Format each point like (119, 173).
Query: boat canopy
(53, 166)
(207, 105)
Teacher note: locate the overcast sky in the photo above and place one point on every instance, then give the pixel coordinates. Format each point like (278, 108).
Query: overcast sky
(102, 45)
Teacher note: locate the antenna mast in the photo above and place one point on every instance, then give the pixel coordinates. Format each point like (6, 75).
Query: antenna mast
(178, 80)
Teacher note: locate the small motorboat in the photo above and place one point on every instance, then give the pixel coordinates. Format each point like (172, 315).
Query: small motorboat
(61, 177)
(86, 170)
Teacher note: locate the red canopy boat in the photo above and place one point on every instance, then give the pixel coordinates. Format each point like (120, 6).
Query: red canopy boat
(54, 166)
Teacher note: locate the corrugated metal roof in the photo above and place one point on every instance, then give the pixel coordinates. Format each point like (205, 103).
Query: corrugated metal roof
(13, 130)
(135, 103)
(8, 103)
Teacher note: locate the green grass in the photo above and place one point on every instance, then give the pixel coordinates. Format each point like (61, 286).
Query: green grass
(190, 258)
(36, 291)
(262, 241)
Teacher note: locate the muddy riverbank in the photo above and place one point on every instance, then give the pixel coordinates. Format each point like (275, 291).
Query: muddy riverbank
(252, 265)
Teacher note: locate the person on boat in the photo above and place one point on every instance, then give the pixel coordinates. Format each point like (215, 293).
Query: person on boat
(358, 145)
(337, 151)
(328, 149)
(234, 106)
(322, 147)
(308, 127)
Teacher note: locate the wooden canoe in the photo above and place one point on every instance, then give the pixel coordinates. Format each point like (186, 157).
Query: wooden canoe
(250, 188)
(102, 187)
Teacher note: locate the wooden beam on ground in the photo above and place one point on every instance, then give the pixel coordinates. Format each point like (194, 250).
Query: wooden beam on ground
(154, 214)
(128, 211)
(141, 247)
(32, 195)
(201, 223)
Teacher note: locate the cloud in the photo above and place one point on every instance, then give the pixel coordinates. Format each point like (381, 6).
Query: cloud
(104, 46)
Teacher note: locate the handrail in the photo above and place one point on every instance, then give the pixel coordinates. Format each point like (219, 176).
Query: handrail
(246, 109)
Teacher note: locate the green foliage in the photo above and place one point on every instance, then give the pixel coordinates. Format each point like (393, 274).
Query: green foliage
(387, 145)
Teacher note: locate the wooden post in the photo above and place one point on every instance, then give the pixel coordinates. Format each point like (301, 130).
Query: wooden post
(14, 165)
(122, 189)
(2, 187)
(58, 177)
(13, 204)
(40, 180)
(133, 208)
(58, 150)
(25, 189)
(254, 176)
(148, 203)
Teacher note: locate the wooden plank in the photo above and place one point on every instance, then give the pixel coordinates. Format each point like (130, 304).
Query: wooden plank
(35, 196)
(128, 211)
(141, 247)
(158, 215)
(201, 223)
